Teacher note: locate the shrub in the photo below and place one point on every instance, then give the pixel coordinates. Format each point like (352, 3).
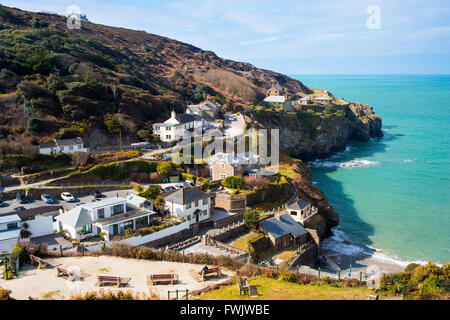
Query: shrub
(287, 276)
(164, 168)
(5, 294)
(251, 218)
(19, 252)
(233, 182)
(423, 272)
(110, 295)
(410, 268)
(151, 192)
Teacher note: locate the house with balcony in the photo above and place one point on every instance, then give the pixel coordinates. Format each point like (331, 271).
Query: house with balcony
(301, 211)
(178, 126)
(191, 204)
(63, 145)
(111, 216)
(10, 227)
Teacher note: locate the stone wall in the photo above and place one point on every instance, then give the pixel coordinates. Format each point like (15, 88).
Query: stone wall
(229, 220)
(230, 233)
(173, 238)
(308, 257)
(229, 202)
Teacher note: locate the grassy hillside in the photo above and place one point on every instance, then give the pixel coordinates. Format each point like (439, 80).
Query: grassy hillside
(94, 81)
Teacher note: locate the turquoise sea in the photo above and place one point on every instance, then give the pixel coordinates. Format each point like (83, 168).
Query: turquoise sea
(393, 193)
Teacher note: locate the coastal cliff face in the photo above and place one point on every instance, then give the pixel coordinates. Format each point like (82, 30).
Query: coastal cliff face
(320, 134)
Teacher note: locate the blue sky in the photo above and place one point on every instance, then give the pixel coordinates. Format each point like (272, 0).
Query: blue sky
(293, 37)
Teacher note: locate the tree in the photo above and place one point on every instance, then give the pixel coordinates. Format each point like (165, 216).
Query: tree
(164, 168)
(233, 182)
(159, 203)
(151, 193)
(251, 218)
(79, 158)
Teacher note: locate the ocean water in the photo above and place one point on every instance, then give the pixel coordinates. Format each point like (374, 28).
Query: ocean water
(393, 193)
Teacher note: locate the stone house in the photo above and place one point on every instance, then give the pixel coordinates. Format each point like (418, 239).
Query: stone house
(283, 231)
(223, 165)
(208, 110)
(323, 99)
(275, 90)
(304, 101)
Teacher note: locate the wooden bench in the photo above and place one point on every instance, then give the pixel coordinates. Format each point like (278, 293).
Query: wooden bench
(39, 261)
(243, 286)
(152, 279)
(215, 272)
(112, 280)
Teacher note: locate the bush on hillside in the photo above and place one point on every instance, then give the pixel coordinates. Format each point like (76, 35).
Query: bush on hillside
(233, 182)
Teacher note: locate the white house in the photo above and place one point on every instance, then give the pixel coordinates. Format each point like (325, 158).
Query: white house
(63, 145)
(111, 216)
(301, 210)
(275, 99)
(9, 232)
(190, 204)
(323, 99)
(179, 126)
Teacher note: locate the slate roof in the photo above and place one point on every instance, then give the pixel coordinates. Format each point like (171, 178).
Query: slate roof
(186, 195)
(279, 88)
(186, 118)
(61, 143)
(10, 218)
(31, 213)
(68, 142)
(104, 203)
(276, 99)
(279, 228)
(298, 205)
(77, 217)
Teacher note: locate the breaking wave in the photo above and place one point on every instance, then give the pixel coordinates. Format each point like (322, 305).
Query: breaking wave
(347, 164)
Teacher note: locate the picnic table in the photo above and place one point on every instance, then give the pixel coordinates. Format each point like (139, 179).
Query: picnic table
(152, 279)
(40, 262)
(112, 280)
(215, 272)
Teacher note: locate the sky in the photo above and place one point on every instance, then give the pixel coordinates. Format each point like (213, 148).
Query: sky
(292, 37)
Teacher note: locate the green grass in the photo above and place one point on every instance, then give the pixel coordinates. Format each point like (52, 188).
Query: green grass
(242, 243)
(273, 289)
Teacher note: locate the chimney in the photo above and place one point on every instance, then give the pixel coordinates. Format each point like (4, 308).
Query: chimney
(278, 216)
(172, 114)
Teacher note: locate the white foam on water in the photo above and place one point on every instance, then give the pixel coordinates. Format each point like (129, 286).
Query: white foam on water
(340, 243)
(346, 164)
(410, 160)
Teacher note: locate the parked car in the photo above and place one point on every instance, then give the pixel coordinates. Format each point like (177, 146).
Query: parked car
(179, 186)
(3, 204)
(169, 188)
(68, 197)
(187, 184)
(47, 198)
(21, 198)
(96, 194)
(19, 208)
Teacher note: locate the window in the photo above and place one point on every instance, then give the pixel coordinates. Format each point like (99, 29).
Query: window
(223, 165)
(205, 212)
(188, 218)
(79, 146)
(118, 209)
(168, 136)
(222, 176)
(62, 148)
(293, 213)
(87, 229)
(196, 203)
(101, 213)
(70, 147)
(188, 206)
(205, 201)
(10, 226)
(128, 225)
(168, 128)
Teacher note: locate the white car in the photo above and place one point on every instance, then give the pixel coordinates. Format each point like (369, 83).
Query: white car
(67, 197)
